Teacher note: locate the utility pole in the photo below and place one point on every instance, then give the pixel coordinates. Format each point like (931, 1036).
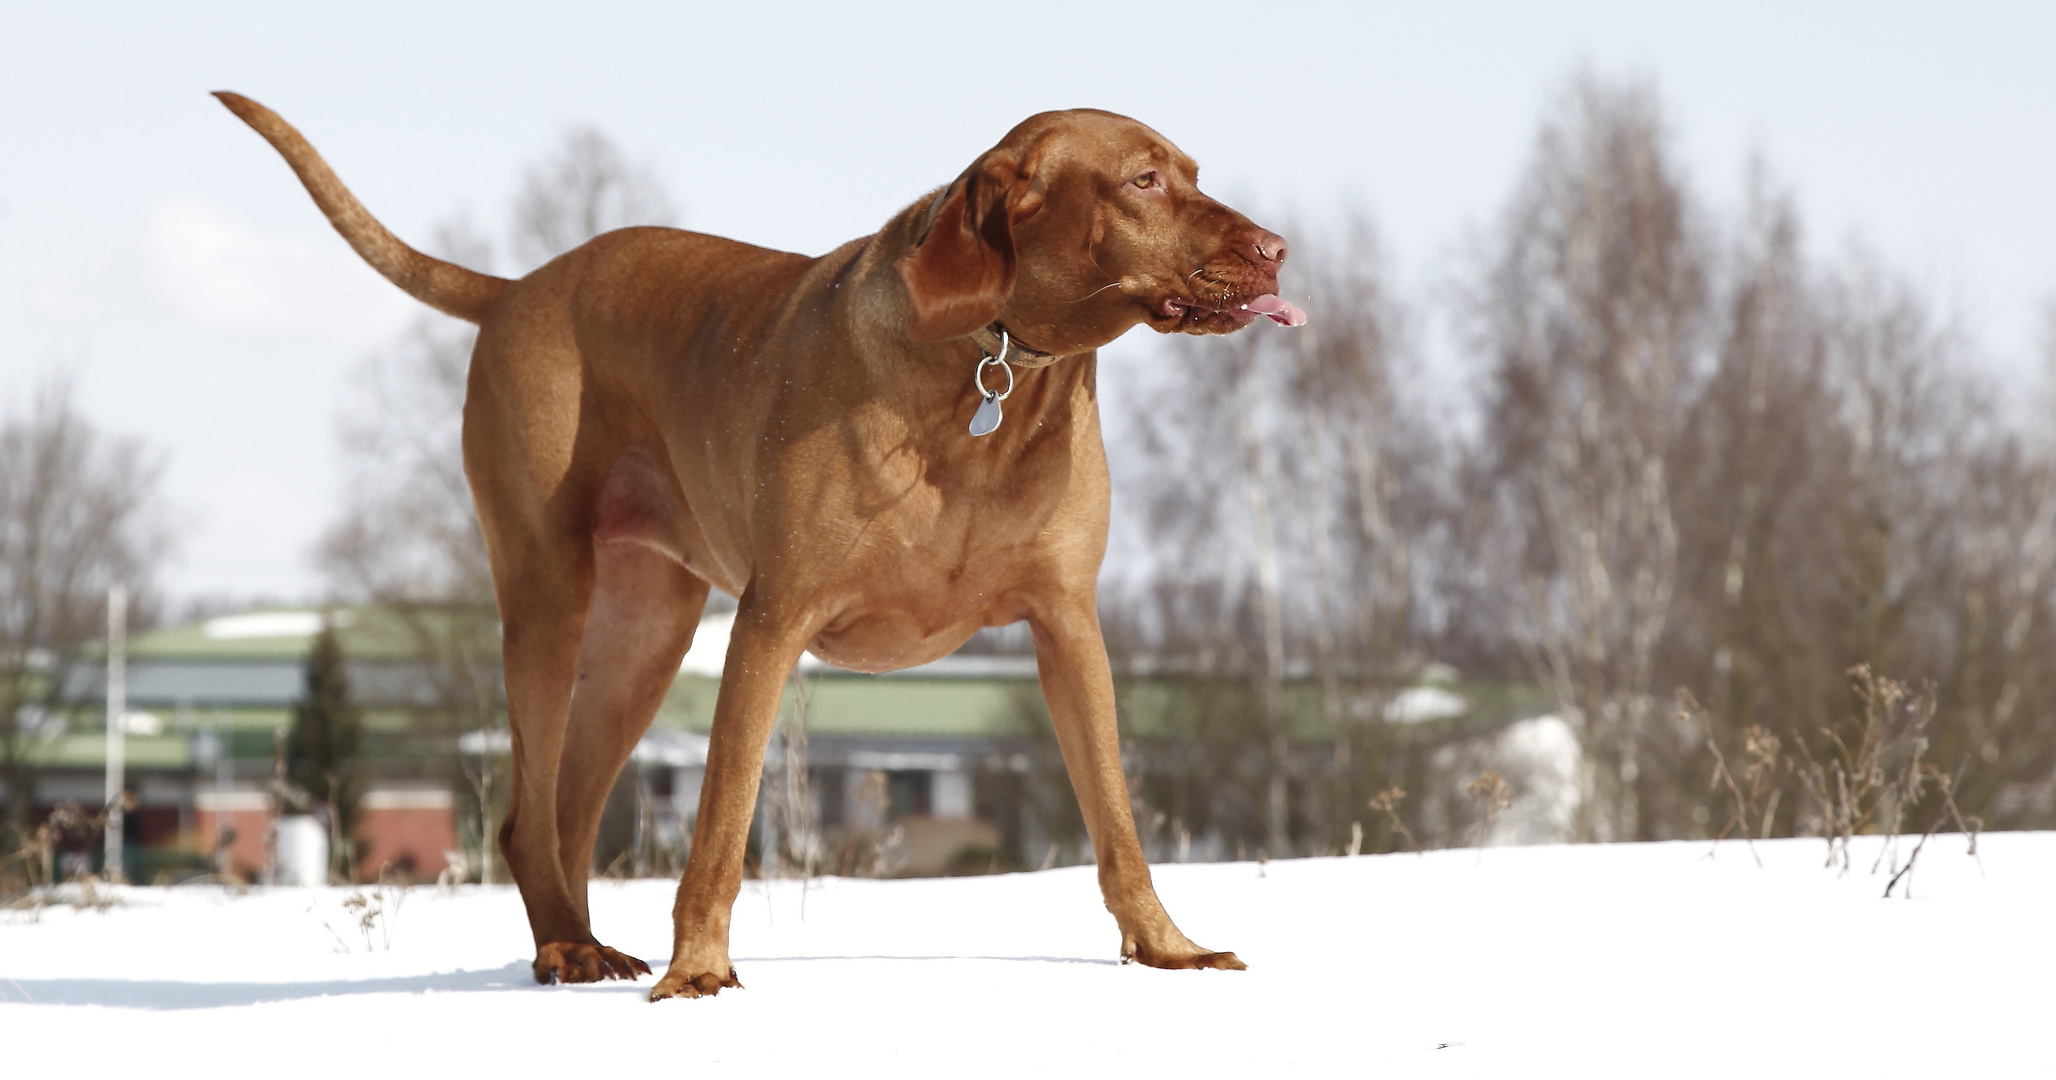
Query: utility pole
(117, 712)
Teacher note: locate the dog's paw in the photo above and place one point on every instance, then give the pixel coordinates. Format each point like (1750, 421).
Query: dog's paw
(676, 983)
(584, 962)
(1189, 958)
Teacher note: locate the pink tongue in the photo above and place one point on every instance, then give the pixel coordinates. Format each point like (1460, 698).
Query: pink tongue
(1278, 308)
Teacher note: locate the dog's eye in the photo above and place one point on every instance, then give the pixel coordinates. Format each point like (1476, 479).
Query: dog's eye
(1146, 180)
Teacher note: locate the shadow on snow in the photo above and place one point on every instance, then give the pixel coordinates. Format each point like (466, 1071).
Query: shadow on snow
(174, 995)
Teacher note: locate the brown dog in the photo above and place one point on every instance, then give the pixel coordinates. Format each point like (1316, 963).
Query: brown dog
(660, 410)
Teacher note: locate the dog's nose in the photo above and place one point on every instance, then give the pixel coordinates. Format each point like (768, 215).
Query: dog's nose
(1270, 247)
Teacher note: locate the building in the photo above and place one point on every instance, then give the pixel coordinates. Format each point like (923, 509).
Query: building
(949, 767)
(208, 704)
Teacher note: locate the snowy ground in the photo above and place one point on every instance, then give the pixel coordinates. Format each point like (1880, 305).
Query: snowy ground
(1663, 960)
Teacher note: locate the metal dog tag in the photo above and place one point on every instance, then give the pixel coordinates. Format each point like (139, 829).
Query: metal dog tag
(986, 420)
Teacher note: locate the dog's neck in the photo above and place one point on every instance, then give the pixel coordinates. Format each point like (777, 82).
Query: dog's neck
(1017, 353)
(880, 254)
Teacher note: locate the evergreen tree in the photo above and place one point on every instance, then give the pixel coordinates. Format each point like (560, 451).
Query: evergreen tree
(321, 749)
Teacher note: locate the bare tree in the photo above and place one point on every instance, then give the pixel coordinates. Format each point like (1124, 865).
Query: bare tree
(1709, 467)
(586, 188)
(1996, 585)
(79, 511)
(1592, 312)
(1282, 486)
(408, 543)
(1748, 468)
(1364, 478)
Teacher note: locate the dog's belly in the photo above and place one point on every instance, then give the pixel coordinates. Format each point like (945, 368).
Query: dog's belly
(886, 640)
(639, 505)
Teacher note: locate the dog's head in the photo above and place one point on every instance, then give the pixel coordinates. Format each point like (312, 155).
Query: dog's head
(1080, 225)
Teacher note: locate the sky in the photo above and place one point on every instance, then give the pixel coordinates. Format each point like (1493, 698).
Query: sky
(158, 255)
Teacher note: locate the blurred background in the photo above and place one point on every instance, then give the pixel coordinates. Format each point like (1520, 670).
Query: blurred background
(1668, 456)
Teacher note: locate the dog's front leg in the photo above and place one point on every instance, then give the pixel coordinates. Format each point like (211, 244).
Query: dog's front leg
(1078, 684)
(764, 646)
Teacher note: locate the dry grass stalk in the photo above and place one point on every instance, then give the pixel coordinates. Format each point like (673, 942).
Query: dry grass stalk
(1756, 796)
(797, 811)
(1945, 787)
(28, 874)
(1864, 780)
(1492, 795)
(874, 849)
(1387, 803)
(1879, 773)
(373, 912)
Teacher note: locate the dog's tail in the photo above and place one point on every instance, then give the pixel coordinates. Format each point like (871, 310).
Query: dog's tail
(446, 287)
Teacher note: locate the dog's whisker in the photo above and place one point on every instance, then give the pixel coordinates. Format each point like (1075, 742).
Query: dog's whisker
(1096, 292)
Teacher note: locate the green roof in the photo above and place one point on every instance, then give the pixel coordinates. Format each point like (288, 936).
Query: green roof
(367, 633)
(965, 698)
(846, 704)
(138, 751)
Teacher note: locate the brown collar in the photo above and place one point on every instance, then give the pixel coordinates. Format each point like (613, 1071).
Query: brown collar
(1018, 354)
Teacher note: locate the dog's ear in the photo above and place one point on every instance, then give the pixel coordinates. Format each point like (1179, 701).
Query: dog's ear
(961, 272)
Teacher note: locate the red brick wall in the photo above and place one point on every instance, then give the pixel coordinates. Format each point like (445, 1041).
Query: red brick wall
(408, 830)
(249, 814)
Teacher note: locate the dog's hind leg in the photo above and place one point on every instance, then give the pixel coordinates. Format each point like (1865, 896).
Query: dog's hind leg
(594, 633)
(568, 744)
(545, 573)
(545, 593)
(645, 607)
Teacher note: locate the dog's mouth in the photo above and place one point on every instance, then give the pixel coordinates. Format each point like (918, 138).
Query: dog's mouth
(1193, 316)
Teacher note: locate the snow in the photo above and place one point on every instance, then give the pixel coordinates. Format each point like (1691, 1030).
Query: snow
(1544, 755)
(1673, 960)
(263, 624)
(142, 723)
(709, 652)
(1420, 704)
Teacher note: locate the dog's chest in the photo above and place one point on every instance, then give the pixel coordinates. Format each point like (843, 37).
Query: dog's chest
(921, 552)
(927, 497)
(957, 515)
